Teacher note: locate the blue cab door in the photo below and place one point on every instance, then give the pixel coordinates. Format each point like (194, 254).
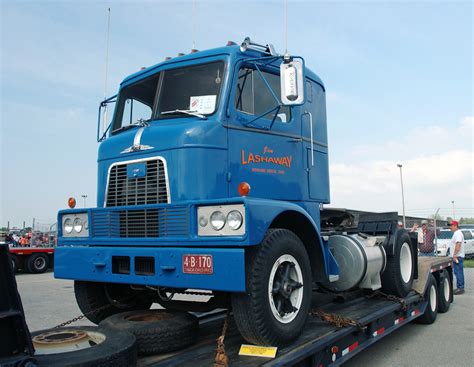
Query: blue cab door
(270, 159)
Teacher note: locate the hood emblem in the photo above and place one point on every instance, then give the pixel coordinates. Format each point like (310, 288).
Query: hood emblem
(136, 147)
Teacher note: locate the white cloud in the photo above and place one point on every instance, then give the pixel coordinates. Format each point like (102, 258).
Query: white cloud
(437, 168)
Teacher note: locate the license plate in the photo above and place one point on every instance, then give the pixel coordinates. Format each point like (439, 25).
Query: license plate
(197, 264)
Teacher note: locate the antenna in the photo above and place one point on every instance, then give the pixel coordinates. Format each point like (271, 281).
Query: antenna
(106, 67)
(286, 27)
(193, 16)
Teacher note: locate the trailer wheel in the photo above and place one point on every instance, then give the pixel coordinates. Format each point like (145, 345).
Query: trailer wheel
(93, 299)
(84, 346)
(278, 275)
(157, 331)
(37, 263)
(397, 278)
(445, 292)
(431, 295)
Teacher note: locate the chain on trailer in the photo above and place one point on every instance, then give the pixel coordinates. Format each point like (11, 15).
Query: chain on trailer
(221, 359)
(92, 312)
(391, 297)
(337, 320)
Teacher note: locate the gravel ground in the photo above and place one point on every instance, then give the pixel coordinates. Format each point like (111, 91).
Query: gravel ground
(449, 341)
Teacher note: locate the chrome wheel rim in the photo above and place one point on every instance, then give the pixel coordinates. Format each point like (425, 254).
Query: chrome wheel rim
(447, 290)
(433, 298)
(406, 262)
(285, 289)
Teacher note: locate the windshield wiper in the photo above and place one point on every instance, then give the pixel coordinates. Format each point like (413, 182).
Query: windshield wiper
(186, 112)
(139, 123)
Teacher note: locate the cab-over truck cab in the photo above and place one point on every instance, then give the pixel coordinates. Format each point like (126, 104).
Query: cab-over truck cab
(211, 176)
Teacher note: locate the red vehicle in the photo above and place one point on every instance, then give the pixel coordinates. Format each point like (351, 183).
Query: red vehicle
(32, 259)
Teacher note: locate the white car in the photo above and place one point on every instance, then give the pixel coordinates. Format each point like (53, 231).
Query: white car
(444, 239)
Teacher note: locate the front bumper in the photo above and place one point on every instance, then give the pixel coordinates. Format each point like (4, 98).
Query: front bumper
(97, 264)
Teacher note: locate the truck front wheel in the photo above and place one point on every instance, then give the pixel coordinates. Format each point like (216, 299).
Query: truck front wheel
(98, 301)
(275, 307)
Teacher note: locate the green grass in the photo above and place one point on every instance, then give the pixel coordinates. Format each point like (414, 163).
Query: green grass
(469, 263)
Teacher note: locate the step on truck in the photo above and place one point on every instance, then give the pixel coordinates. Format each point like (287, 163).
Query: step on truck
(212, 176)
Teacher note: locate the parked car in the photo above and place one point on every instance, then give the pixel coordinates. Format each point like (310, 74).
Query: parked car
(444, 239)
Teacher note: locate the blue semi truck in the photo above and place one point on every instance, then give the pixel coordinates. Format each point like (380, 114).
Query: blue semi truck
(212, 177)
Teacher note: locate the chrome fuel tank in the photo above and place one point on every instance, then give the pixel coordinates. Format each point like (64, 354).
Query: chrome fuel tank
(361, 260)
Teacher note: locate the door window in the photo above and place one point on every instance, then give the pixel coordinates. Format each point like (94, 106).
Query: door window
(254, 98)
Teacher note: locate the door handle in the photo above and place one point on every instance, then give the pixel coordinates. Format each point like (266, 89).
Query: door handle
(311, 134)
(295, 140)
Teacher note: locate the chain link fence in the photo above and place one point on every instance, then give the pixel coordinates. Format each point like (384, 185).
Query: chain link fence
(433, 236)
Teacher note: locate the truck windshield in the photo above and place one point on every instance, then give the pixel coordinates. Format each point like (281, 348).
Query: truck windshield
(181, 92)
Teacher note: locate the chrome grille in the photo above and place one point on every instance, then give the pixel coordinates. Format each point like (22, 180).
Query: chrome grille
(150, 189)
(172, 221)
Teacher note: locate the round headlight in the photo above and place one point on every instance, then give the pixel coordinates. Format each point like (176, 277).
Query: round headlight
(77, 225)
(234, 220)
(217, 220)
(203, 221)
(68, 225)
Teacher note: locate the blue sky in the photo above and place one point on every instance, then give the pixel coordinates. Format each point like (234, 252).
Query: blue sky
(398, 74)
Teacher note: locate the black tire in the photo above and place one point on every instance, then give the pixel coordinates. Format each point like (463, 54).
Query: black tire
(14, 264)
(445, 292)
(397, 279)
(431, 295)
(260, 317)
(157, 331)
(37, 263)
(91, 296)
(118, 349)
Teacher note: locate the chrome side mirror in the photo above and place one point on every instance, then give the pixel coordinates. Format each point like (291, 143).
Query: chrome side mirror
(292, 82)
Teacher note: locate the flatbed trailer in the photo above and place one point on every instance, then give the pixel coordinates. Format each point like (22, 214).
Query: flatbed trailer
(32, 259)
(321, 343)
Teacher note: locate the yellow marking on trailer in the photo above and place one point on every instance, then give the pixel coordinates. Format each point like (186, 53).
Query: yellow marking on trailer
(256, 351)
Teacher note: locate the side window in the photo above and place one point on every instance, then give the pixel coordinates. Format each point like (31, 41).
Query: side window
(467, 235)
(135, 110)
(254, 98)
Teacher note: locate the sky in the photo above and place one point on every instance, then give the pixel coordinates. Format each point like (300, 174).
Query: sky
(398, 76)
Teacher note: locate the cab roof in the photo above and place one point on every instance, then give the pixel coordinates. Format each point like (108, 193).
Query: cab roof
(233, 51)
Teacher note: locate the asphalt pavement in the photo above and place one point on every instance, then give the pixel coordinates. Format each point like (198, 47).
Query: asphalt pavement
(448, 342)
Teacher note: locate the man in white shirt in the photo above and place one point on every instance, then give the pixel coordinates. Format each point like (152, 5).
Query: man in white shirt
(456, 249)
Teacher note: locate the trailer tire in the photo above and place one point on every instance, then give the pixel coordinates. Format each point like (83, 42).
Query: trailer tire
(115, 348)
(431, 295)
(278, 277)
(445, 292)
(93, 298)
(37, 263)
(397, 279)
(157, 331)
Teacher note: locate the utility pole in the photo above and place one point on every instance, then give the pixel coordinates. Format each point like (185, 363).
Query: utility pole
(403, 196)
(454, 217)
(33, 228)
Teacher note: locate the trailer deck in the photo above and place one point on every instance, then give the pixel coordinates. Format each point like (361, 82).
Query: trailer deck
(321, 343)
